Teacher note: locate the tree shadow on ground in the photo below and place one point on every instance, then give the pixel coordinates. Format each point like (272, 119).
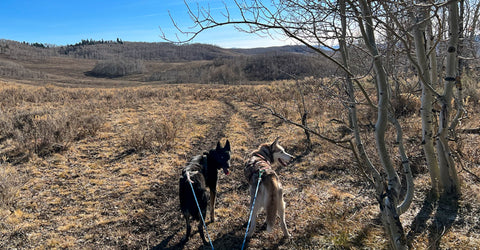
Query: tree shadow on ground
(235, 237)
(122, 155)
(230, 240)
(446, 212)
(445, 216)
(419, 223)
(358, 241)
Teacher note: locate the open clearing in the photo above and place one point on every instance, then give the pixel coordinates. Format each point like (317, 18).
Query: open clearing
(98, 193)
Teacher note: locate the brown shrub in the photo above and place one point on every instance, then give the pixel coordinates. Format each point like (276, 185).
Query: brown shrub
(155, 135)
(45, 131)
(6, 126)
(471, 90)
(406, 105)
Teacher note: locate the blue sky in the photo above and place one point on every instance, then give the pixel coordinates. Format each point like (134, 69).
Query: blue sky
(67, 22)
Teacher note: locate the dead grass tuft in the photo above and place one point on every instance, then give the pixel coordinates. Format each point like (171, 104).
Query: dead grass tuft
(11, 181)
(155, 134)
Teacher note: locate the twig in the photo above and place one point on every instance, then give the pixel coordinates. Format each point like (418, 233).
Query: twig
(470, 172)
(470, 131)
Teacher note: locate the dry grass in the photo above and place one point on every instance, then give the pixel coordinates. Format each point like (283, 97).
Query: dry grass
(155, 134)
(99, 193)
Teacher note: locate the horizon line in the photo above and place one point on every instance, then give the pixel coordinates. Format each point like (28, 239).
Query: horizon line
(53, 45)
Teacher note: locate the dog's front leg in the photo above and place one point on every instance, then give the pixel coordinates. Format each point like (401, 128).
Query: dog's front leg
(202, 234)
(189, 228)
(213, 197)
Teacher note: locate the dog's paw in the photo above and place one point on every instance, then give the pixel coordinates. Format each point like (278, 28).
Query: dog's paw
(212, 219)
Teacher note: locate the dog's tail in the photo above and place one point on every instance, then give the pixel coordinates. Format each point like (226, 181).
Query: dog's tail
(274, 198)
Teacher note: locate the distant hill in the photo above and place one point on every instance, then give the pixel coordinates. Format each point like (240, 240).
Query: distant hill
(168, 52)
(167, 62)
(102, 50)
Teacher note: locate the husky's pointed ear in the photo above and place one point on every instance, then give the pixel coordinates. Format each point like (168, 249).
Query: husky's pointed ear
(218, 146)
(227, 146)
(276, 141)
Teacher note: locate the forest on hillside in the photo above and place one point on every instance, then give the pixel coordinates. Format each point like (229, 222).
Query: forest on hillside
(211, 64)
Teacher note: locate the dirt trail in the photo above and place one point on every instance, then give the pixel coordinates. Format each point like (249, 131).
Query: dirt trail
(216, 132)
(159, 223)
(227, 231)
(172, 233)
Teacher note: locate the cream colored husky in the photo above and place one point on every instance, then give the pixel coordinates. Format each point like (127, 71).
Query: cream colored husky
(270, 192)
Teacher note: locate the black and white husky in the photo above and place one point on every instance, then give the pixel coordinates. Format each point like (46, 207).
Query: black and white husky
(270, 192)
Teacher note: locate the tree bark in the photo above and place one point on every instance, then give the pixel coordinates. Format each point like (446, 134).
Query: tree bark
(448, 173)
(432, 54)
(389, 199)
(405, 204)
(352, 107)
(383, 99)
(427, 97)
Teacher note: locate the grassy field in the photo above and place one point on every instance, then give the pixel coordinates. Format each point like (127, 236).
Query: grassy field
(94, 164)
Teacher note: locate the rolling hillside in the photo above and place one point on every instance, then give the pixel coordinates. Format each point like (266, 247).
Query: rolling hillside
(158, 62)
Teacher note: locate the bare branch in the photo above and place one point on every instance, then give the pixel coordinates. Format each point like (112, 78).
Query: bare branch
(283, 118)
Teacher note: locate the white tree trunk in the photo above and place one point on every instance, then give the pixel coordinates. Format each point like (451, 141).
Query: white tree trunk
(383, 100)
(432, 54)
(389, 199)
(403, 207)
(352, 108)
(427, 98)
(448, 173)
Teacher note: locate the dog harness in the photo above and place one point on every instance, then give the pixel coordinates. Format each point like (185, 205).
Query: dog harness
(264, 163)
(255, 165)
(204, 163)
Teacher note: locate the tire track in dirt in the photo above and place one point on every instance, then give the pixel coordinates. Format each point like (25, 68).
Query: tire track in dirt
(216, 132)
(256, 126)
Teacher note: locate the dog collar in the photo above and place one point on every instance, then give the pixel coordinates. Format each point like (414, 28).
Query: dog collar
(262, 157)
(265, 166)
